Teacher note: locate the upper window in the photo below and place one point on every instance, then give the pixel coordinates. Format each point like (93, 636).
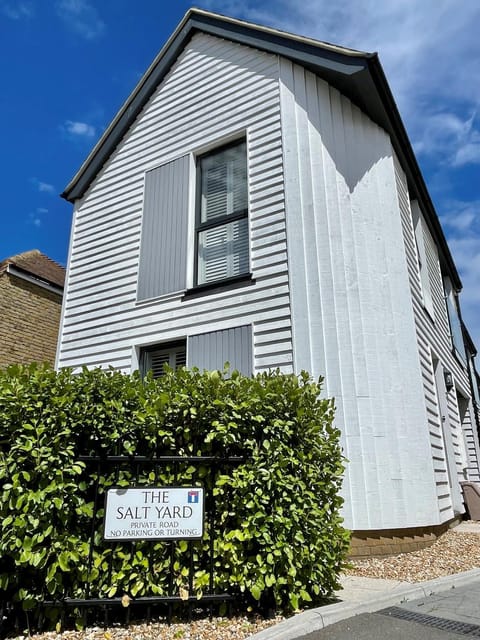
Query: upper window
(475, 381)
(222, 215)
(418, 226)
(456, 332)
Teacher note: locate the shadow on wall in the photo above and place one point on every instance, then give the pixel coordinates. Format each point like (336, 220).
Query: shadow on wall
(346, 136)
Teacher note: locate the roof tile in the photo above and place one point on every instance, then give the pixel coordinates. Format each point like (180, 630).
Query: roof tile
(38, 265)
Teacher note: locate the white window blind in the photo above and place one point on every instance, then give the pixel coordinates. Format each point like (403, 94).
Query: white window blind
(224, 183)
(223, 251)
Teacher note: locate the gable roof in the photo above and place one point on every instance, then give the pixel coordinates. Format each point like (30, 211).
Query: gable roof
(356, 74)
(36, 264)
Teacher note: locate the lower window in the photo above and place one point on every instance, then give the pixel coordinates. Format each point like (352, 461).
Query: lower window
(153, 359)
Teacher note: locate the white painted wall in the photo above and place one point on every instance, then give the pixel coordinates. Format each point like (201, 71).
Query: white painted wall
(351, 303)
(454, 448)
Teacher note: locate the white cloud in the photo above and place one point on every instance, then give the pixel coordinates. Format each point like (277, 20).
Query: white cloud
(469, 153)
(81, 17)
(459, 221)
(35, 218)
(81, 129)
(447, 136)
(16, 10)
(43, 187)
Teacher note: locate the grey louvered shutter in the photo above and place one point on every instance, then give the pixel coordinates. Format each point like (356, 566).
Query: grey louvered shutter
(212, 350)
(163, 246)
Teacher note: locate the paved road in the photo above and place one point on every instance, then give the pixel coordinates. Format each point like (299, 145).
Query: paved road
(447, 616)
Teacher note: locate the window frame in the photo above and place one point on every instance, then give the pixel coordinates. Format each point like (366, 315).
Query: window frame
(422, 259)
(454, 319)
(220, 221)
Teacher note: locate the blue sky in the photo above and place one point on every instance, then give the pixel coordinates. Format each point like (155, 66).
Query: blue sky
(68, 65)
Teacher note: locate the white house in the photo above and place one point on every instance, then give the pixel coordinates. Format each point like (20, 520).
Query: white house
(256, 200)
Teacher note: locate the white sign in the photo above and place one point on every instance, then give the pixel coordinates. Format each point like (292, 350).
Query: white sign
(149, 513)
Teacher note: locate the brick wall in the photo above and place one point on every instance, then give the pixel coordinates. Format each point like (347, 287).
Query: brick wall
(29, 322)
(366, 544)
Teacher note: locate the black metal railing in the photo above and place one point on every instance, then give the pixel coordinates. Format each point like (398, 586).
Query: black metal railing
(90, 604)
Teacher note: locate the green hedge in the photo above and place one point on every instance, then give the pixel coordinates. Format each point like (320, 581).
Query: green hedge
(278, 534)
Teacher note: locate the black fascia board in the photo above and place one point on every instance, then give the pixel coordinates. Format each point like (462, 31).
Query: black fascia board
(282, 44)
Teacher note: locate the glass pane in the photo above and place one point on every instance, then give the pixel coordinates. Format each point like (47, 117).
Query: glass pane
(223, 251)
(224, 183)
(157, 360)
(473, 374)
(455, 326)
(175, 357)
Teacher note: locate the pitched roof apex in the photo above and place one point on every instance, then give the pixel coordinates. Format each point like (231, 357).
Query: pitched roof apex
(356, 74)
(193, 21)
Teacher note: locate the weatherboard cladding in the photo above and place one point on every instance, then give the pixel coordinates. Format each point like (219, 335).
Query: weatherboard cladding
(215, 90)
(358, 332)
(433, 338)
(356, 74)
(351, 307)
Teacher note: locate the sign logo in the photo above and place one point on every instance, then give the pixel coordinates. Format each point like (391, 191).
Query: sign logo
(193, 497)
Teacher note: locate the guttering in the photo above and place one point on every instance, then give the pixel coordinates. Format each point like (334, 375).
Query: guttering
(39, 282)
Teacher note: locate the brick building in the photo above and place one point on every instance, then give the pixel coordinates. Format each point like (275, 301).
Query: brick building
(31, 290)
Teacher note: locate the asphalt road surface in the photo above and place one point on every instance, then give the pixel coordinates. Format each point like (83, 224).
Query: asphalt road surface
(452, 615)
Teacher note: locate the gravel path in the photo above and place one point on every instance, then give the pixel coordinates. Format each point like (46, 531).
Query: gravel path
(452, 553)
(215, 629)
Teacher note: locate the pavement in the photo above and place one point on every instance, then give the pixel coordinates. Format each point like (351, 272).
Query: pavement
(376, 608)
